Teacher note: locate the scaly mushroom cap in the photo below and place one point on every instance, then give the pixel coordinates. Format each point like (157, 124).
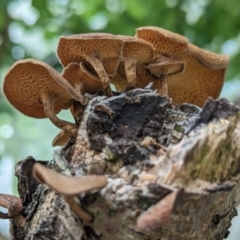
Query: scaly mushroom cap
(164, 42)
(27, 81)
(77, 48)
(204, 71)
(77, 74)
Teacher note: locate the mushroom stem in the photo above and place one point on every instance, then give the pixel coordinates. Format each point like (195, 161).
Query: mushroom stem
(49, 112)
(130, 69)
(12, 203)
(164, 83)
(99, 68)
(14, 206)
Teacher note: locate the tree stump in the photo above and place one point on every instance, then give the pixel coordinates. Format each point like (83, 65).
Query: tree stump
(173, 172)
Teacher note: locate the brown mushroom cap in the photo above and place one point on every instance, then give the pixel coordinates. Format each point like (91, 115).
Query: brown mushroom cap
(204, 71)
(79, 47)
(29, 80)
(61, 138)
(163, 41)
(77, 74)
(68, 185)
(103, 51)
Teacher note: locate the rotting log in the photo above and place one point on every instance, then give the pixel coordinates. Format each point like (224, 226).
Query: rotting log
(173, 172)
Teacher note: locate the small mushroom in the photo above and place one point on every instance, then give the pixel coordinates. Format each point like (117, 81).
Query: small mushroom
(204, 71)
(162, 68)
(61, 139)
(69, 186)
(14, 206)
(37, 90)
(103, 51)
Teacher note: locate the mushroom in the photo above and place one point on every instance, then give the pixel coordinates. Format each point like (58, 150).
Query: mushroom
(14, 206)
(135, 52)
(103, 51)
(204, 71)
(69, 186)
(37, 90)
(61, 139)
(162, 68)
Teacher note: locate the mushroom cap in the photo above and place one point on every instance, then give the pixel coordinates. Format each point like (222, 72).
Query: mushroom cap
(163, 41)
(137, 49)
(165, 66)
(204, 71)
(68, 185)
(27, 81)
(77, 74)
(208, 59)
(80, 47)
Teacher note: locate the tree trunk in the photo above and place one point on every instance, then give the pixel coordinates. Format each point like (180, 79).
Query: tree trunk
(173, 172)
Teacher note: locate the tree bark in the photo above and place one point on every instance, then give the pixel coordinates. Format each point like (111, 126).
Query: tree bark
(173, 172)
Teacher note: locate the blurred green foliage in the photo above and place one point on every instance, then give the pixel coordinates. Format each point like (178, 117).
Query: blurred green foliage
(30, 29)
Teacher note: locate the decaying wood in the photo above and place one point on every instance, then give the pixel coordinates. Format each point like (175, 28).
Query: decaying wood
(173, 172)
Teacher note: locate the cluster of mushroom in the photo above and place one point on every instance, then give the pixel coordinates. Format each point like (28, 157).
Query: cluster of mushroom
(92, 61)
